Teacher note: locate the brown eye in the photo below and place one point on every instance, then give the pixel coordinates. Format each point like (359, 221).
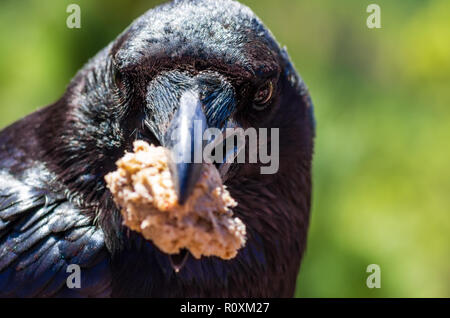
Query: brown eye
(117, 78)
(121, 83)
(263, 95)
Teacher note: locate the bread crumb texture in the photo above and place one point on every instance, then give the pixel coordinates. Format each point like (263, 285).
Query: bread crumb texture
(142, 187)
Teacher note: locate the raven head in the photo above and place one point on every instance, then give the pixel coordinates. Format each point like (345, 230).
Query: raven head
(209, 62)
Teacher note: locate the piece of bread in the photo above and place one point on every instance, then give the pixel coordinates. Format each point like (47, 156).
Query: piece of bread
(143, 188)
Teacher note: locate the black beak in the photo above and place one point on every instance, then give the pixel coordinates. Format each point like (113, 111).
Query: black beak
(184, 139)
(179, 125)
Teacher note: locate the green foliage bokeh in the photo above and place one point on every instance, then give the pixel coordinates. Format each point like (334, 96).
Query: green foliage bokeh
(381, 175)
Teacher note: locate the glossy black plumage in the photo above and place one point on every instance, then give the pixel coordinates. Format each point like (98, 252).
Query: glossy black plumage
(55, 209)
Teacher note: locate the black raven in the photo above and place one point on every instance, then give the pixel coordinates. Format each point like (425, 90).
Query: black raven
(55, 209)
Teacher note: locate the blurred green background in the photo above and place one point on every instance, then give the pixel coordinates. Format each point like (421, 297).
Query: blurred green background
(382, 100)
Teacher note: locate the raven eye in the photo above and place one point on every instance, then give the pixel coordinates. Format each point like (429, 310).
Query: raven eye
(263, 95)
(116, 76)
(118, 79)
